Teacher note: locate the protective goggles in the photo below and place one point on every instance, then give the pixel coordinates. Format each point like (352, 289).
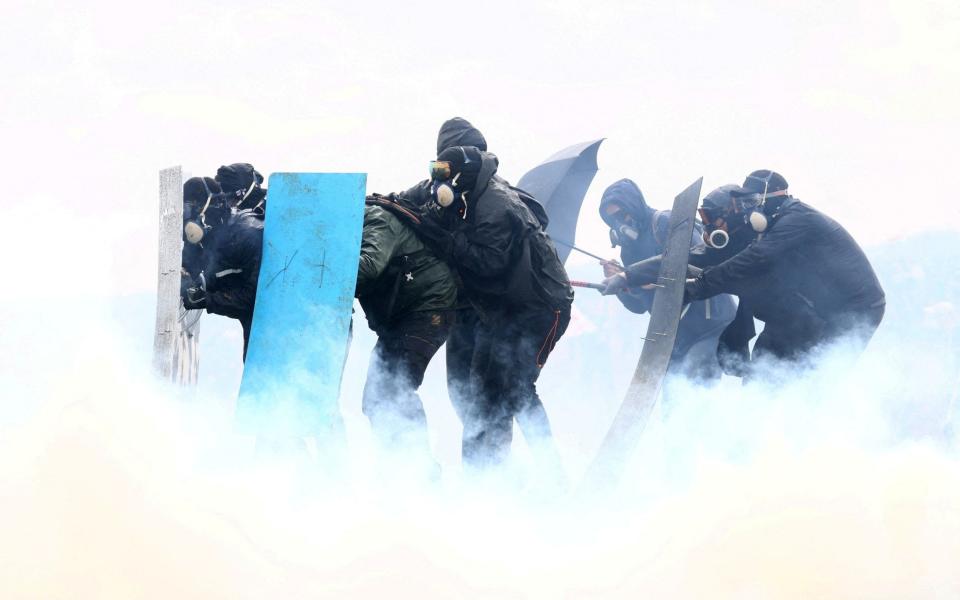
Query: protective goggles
(440, 170)
(710, 218)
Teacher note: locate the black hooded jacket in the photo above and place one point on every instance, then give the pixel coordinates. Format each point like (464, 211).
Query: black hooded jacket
(652, 230)
(703, 319)
(504, 258)
(791, 325)
(807, 251)
(496, 244)
(231, 258)
(459, 132)
(628, 196)
(454, 132)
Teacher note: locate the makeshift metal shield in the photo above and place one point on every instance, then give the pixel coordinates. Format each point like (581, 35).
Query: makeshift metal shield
(628, 425)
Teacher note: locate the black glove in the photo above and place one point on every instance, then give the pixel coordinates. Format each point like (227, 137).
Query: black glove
(194, 298)
(693, 289)
(186, 282)
(193, 294)
(432, 231)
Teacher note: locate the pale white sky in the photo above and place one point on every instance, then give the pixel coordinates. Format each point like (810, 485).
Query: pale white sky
(856, 103)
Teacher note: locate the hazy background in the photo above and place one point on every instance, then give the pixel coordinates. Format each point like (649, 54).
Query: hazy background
(854, 102)
(836, 487)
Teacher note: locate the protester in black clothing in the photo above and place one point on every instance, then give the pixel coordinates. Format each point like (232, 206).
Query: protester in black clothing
(196, 192)
(804, 276)
(511, 275)
(231, 244)
(641, 233)
(809, 250)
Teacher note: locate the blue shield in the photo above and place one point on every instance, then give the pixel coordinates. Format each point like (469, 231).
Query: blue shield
(301, 321)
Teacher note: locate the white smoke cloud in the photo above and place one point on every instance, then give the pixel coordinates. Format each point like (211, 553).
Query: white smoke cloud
(113, 486)
(844, 484)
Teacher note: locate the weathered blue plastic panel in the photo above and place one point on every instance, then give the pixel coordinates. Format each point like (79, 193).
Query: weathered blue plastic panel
(301, 321)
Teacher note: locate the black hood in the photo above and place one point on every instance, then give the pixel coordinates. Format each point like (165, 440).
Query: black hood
(720, 200)
(627, 194)
(488, 168)
(195, 192)
(459, 132)
(238, 177)
(474, 167)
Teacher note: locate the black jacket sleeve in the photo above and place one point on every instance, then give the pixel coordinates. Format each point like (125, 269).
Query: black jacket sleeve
(789, 232)
(636, 301)
(231, 272)
(416, 195)
(488, 246)
(643, 272)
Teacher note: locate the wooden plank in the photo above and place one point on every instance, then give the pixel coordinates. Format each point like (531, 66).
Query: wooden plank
(176, 331)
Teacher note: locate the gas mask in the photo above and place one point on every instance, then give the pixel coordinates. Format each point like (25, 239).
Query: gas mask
(195, 225)
(623, 234)
(718, 238)
(445, 187)
(240, 197)
(755, 206)
(442, 186)
(716, 226)
(622, 231)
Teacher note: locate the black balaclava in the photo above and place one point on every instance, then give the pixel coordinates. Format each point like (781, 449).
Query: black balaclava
(465, 164)
(196, 192)
(627, 195)
(204, 207)
(459, 132)
(762, 195)
(242, 182)
(720, 204)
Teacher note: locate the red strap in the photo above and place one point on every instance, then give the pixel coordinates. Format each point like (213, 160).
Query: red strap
(550, 339)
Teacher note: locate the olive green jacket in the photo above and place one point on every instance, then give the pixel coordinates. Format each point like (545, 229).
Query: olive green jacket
(398, 274)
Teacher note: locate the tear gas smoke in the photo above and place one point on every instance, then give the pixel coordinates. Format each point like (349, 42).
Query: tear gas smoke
(115, 486)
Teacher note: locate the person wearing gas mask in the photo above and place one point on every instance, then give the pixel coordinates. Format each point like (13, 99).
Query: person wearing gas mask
(408, 296)
(641, 233)
(511, 275)
(791, 327)
(241, 183)
(800, 245)
(804, 276)
(231, 243)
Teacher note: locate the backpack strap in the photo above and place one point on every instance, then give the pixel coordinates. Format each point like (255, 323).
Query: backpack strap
(395, 208)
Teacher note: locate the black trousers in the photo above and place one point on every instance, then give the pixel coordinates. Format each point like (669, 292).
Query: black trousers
(792, 341)
(492, 370)
(397, 365)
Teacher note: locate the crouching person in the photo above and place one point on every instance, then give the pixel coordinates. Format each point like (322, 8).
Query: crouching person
(408, 296)
(230, 244)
